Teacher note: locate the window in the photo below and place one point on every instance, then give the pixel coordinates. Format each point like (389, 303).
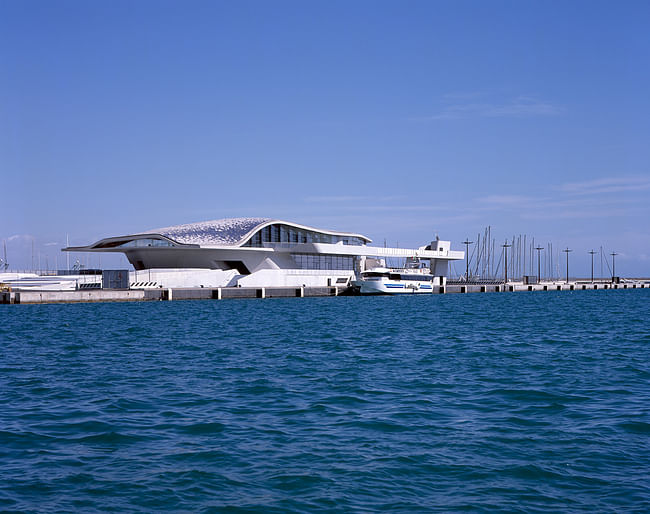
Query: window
(419, 278)
(142, 243)
(374, 274)
(280, 233)
(323, 262)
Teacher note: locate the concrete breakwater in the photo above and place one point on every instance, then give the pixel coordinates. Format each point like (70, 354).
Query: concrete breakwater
(224, 293)
(165, 294)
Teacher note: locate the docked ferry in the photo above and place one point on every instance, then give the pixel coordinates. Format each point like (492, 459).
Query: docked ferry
(395, 281)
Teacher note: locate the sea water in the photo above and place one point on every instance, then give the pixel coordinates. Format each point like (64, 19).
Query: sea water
(530, 402)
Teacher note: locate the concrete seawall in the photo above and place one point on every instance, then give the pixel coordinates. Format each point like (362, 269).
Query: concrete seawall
(224, 293)
(477, 288)
(194, 293)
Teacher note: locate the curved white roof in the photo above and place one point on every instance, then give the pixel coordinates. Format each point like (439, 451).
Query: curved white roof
(223, 232)
(226, 231)
(229, 231)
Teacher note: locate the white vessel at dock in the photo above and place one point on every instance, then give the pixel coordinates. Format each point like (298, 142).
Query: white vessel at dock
(395, 281)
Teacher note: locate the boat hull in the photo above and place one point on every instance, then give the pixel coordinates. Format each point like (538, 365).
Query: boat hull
(393, 287)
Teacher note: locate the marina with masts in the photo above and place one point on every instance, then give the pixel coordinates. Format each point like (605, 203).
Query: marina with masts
(522, 258)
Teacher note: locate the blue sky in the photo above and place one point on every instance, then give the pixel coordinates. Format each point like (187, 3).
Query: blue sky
(397, 120)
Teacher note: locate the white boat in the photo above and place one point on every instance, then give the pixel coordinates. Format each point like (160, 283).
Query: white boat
(395, 281)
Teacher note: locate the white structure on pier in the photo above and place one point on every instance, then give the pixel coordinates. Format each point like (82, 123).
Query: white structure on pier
(259, 252)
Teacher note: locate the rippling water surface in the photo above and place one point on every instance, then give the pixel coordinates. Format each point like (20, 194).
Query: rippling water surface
(528, 402)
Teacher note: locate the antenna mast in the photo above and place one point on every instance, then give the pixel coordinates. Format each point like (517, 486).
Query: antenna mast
(592, 265)
(5, 264)
(467, 242)
(505, 247)
(613, 254)
(567, 263)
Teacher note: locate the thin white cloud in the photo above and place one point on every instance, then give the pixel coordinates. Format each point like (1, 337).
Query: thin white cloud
(396, 208)
(506, 200)
(20, 237)
(607, 185)
(463, 95)
(558, 201)
(549, 214)
(336, 198)
(572, 200)
(519, 107)
(548, 204)
(343, 198)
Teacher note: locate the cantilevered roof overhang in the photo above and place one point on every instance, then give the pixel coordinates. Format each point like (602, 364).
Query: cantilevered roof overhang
(115, 244)
(372, 251)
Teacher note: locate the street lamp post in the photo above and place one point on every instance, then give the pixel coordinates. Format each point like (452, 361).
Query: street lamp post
(467, 242)
(539, 249)
(567, 264)
(613, 254)
(505, 249)
(592, 265)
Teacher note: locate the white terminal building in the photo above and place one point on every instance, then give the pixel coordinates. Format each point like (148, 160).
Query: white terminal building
(260, 252)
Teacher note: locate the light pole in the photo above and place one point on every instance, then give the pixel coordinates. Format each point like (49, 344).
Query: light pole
(539, 249)
(505, 249)
(567, 264)
(467, 242)
(592, 265)
(613, 254)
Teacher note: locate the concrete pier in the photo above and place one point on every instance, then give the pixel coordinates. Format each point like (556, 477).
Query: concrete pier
(223, 293)
(80, 296)
(554, 286)
(166, 294)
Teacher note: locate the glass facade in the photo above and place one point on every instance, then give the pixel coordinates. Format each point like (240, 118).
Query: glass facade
(323, 261)
(290, 236)
(148, 242)
(137, 243)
